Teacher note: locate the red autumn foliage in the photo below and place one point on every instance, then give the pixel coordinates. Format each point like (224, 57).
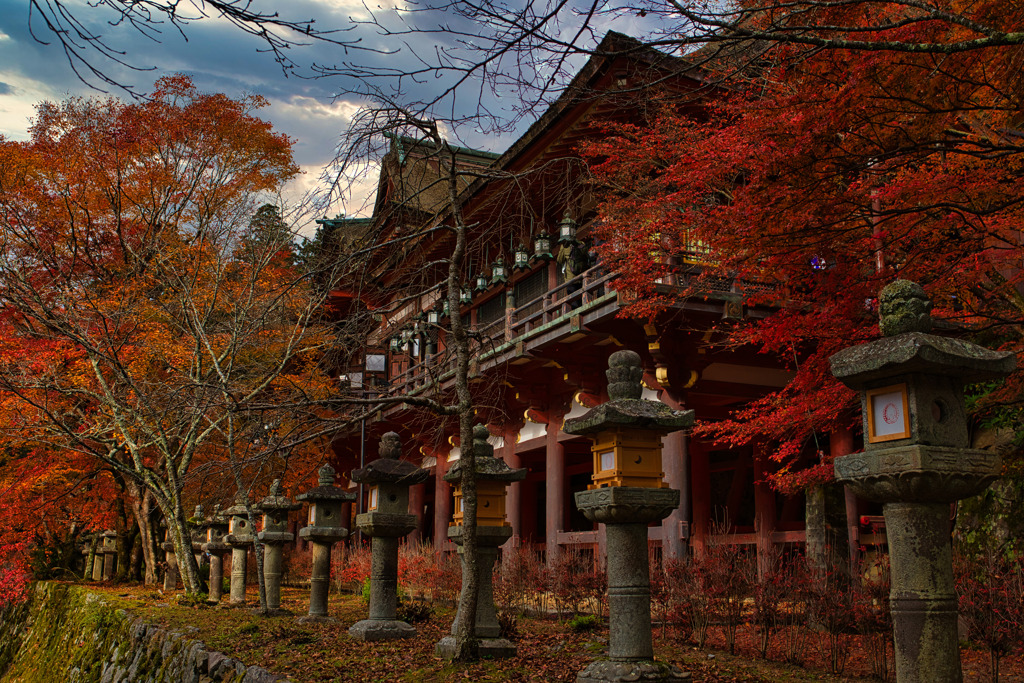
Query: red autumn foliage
(815, 179)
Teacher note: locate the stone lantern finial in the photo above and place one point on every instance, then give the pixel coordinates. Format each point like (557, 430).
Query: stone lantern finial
(481, 446)
(390, 446)
(198, 513)
(624, 375)
(275, 488)
(325, 476)
(904, 307)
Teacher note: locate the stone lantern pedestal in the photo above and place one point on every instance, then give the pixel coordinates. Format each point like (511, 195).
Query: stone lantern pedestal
(628, 494)
(274, 535)
(109, 554)
(386, 521)
(171, 560)
(216, 547)
(325, 528)
(492, 477)
(240, 539)
(491, 644)
(916, 461)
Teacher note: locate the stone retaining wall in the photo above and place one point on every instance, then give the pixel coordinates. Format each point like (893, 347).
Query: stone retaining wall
(64, 634)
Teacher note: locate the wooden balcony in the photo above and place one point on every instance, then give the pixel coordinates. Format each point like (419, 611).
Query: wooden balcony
(562, 309)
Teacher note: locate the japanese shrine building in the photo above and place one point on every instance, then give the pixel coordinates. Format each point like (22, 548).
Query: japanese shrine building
(544, 340)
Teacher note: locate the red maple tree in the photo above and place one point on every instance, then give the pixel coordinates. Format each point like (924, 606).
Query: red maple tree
(818, 175)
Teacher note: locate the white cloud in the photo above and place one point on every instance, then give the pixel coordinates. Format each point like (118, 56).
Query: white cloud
(17, 103)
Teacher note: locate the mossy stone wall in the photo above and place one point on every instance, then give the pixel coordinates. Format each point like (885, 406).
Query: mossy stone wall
(64, 634)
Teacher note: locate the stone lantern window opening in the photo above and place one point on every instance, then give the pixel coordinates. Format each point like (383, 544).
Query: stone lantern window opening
(490, 505)
(627, 457)
(888, 415)
(373, 498)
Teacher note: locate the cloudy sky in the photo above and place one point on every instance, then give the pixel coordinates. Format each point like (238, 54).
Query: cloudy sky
(222, 58)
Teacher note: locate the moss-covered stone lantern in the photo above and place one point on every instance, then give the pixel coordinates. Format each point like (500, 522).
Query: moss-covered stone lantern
(216, 547)
(628, 494)
(492, 476)
(240, 538)
(109, 554)
(326, 527)
(386, 521)
(198, 535)
(275, 508)
(97, 557)
(917, 461)
(170, 559)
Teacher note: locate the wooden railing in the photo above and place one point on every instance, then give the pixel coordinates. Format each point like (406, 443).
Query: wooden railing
(553, 305)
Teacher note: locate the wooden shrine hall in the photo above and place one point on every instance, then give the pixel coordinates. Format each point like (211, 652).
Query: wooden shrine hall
(543, 336)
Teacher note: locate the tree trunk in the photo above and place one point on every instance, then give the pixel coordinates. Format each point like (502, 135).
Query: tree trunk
(142, 504)
(181, 535)
(465, 625)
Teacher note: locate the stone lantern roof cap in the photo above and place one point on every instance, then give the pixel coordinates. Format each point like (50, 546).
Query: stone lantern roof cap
(624, 407)
(276, 501)
(217, 518)
(907, 346)
(326, 490)
(388, 469)
(238, 509)
(488, 468)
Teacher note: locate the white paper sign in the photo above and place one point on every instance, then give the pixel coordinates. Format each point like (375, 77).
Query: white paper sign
(888, 414)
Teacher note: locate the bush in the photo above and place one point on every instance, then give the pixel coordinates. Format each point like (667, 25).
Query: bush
(990, 594)
(508, 622)
(14, 574)
(414, 610)
(583, 623)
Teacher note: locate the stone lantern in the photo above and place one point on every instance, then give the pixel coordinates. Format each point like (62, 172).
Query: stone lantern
(240, 539)
(97, 557)
(109, 554)
(216, 547)
(170, 559)
(326, 527)
(386, 521)
(275, 534)
(627, 495)
(198, 535)
(917, 461)
(492, 476)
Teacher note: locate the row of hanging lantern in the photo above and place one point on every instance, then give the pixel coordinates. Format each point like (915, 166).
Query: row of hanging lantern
(522, 260)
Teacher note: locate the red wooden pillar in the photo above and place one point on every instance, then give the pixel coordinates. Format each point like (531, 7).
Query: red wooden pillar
(417, 492)
(700, 488)
(514, 494)
(841, 443)
(442, 503)
(764, 513)
(674, 461)
(554, 470)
